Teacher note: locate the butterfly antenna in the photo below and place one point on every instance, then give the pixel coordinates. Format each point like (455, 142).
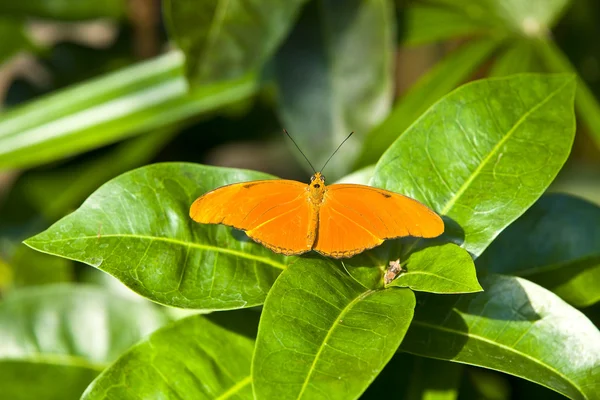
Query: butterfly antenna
(336, 150)
(296, 144)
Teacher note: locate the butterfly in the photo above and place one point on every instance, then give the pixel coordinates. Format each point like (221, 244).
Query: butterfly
(338, 220)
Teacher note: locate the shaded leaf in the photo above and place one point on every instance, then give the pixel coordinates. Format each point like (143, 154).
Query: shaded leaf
(55, 339)
(134, 100)
(425, 23)
(137, 228)
(323, 335)
(64, 9)
(441, 79)
(519, 56)
(192, 358)
(335, 76)
(516, 327)
(434, 380)
(586, 103)
(483, 154)
(19, 40)
(228, 39)
(556, 244)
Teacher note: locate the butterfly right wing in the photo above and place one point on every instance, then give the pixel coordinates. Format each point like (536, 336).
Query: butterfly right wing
(275, 213)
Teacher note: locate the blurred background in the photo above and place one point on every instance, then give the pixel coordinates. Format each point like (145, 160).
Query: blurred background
(92, 89)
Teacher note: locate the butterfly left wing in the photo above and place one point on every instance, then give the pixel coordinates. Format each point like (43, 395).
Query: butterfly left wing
(353, 218)
(275, 213)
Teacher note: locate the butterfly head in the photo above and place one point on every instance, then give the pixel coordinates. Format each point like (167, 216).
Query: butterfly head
(317, 181)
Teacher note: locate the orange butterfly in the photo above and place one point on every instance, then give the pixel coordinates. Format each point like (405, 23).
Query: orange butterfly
(338, 220)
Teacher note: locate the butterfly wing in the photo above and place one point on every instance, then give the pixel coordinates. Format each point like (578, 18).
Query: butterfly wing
(275, 213)
(353, 218)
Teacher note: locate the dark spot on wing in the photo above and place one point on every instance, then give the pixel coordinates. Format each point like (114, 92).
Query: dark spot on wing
(248, 185)
(387, 196)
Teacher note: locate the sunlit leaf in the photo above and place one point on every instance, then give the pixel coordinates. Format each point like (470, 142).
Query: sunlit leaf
(137, 228)
(513, 326)
(556, 244)
(483, 154)
(192, 358)
(323, 335)
(55, 339)
(131, 101)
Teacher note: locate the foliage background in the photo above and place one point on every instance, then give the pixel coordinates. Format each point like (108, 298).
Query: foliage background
(128, 104)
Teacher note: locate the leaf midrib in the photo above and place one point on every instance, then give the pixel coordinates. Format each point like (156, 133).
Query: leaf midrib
(465, 186)
(236, 253)
(469, 288)
(333, 326)
(505, 347)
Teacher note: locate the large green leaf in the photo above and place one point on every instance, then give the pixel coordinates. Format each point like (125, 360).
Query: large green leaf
(64, 9)
(134, 100)
(322, 335)
(335, 76)
(516, 327)
(556, 244)
(483, 154)
(192, 358)
(227, 39)
(137, 228)
(56, 339)
(441, 79)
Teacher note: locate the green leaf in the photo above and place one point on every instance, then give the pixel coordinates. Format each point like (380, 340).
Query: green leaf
(137, 228)
(524, 18)
(425, 23)
(556, 244)
(19, 40)
(323, 335)
(586, 103)
(516, 327)
(441, 79)
(228, 39)
(335, 75)
(192, 358)
(483, 154)
(30, 268)
(134, 100)
(59, 191)
(440, 268)
(57, 338)
(64, 9)
(519, 56)
(434, 380)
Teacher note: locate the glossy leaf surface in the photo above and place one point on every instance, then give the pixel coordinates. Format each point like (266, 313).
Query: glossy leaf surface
(335, 76)
(556, 244)
(228, 39)
(56, 339)
(439, 81)
(137, 228)
(192, 358)
(440, 268)
(516, 327)
(323, 335)
(483, 154)
(135, 100)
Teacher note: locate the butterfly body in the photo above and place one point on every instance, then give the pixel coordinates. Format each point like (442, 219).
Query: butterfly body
(338, 220)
